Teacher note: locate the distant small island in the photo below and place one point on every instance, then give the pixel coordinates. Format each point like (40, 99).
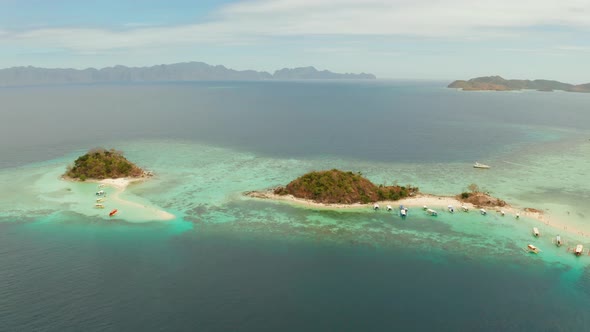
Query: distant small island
(497, 83)
(100, 164)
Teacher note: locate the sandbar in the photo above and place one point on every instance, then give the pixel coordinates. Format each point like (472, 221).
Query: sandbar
(431, 201)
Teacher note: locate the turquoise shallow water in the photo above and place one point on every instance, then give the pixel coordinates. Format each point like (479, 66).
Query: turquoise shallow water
(230, 262)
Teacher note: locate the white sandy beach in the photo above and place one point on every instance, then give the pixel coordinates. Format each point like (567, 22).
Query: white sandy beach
(121, 184)
(431, 201)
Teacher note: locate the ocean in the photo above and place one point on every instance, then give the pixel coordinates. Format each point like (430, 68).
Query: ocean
(227, 262)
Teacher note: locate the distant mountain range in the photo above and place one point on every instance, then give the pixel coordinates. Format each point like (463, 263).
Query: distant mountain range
(187, 71)
(498, 83)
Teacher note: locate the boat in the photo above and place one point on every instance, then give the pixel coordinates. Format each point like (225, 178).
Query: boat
(517, 215)
(112, 213)
(100, 200)
(464, 208)
(99, 206)
(536, 232)
(579, 250)
(432, 212)
(375, 206)
(100, 193)
(483, 212)
(101, 185)
(425, 207)
(389, 208)
(403, 212)
(502, 213)
(533, 249)
(558, 241)
(478, 165)
(451, 209)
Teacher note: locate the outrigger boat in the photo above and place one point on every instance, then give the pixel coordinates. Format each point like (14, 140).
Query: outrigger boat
(482, 166)
(99, 206)
(100, 200)
(432, 212)
(112, 213)
(536, 232)
(483, 212)
(533, 249)
(403, 211)
(579, 250)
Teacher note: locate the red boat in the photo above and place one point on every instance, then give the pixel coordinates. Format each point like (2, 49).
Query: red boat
(113, 213)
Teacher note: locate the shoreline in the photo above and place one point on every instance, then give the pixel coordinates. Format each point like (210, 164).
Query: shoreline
(420, 200)
(120, 185)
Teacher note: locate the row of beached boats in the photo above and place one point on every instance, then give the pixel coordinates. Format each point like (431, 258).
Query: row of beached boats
(403, 211)
(101, 197)
(578, 250)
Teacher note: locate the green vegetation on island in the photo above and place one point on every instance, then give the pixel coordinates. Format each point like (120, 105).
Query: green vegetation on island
(479, 197)
(339, 187)
(103, 164)
(497, 83)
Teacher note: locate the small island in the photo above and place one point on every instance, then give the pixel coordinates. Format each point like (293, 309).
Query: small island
(497, 83)
(100, 164)
(109, 168)
(338, 187)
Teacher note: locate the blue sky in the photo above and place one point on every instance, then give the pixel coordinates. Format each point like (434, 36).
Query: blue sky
(423, 39)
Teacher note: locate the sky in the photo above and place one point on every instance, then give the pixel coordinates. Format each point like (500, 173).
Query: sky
(404, 39)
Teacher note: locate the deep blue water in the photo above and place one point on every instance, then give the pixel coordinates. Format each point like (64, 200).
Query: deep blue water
(67, 272)
(374, 121)
(72, 277)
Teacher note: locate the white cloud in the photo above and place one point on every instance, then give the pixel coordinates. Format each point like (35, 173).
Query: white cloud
(261, 19)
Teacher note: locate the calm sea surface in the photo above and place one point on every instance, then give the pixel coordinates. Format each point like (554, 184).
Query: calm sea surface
(229, 263)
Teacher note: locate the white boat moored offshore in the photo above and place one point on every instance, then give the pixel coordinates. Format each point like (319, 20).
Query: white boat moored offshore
(517, 215)
(375, 206)
(502, 213)
(451, 209)
(478, 165)
(536, 232)
(432, 212)
(464, 208)
(389, 208)
(483, 212)
(100, 193)
(579, 249)
(533, 249)
(425, 207)
(403, 212)
(558, 241)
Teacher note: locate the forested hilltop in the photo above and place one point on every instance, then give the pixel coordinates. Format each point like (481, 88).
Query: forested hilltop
(103, 164)
(335, 186)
